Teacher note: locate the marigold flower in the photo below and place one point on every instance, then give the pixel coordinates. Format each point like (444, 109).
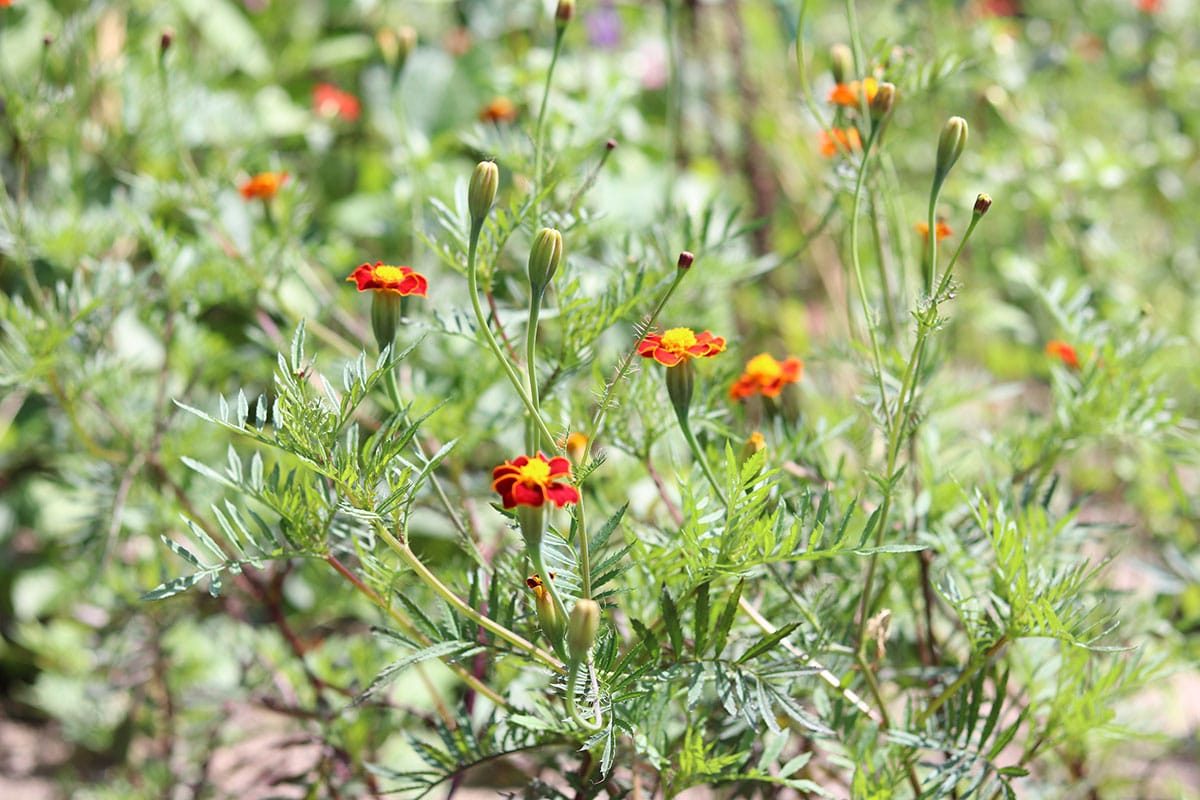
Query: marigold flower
(678, 345)
(766, 376)
(330, 101)
(500, 109)
(526, 481)
(386, 278)
(576, 446)
(1064, 352)
(6, 3)
(848, 138)
(942, 229)
(848, 94)
(263, 186)
(1149, 6)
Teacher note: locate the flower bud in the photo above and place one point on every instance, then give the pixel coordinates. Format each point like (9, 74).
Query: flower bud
(549, 619)
(544, 258)
(577, 448)
(841, 62)
(563, 14)
(482, 192)
(581, 630)
(396, 44)
(982, 203)
(885, 98)
(755, 443)
(686, 259)
(950, 146)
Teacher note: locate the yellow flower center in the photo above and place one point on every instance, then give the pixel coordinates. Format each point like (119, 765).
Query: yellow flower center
(764, 367)
(388, 274)
(536, 472)
(678, 340)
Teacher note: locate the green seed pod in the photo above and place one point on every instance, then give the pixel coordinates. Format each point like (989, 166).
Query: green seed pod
(482, 192)
(581, 630)
(544, 258)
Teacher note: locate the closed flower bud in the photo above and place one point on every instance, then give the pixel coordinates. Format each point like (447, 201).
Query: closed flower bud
(950, 146)
(754, 444)
(577, 448)
(686, 259)
(482, 192)
(581, 630)
(841, 62)
(885, 98)
(564, 12)
(544, 258)
(549, 619)
(982, 204)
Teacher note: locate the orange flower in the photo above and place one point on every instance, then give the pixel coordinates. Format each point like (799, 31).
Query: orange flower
(764, 375)
(386, 278)
(264, 185)
(943, 230)
(330, 101)
(848, 138)
(1145, 6)
(6, 3)
(526, 481)
(848, 94)
(679, 345)
(500, 109)
(1064, 352)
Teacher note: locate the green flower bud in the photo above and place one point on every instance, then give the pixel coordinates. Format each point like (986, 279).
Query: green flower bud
(950, 146)
(544, 258)
(549, 619)
(581, 630)
(482, 192)
(982, 204)
(564, 13)
(841, 62)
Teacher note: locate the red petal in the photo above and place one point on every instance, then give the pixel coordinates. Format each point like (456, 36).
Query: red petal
(666, 357)
(561, 494)
(523, 495)
(559, 466)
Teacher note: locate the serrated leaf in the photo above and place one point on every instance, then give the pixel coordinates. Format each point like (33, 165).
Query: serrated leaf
(701, 620)
(725, 621)
(767, 642)
(442, 650)
(670, 614)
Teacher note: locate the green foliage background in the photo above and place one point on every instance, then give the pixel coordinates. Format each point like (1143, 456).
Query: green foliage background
(1043, 547)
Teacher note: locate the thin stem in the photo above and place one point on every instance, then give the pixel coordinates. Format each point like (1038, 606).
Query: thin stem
(585, 559)
(572, 705)
(539, 147)
(513, 377)
(423, 572)
(958, 683)
(535, 308)
(412, 631)
(856, 263)
(698, 454)
(539, 565)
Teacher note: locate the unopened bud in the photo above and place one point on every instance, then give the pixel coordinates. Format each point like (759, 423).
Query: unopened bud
(549, 619)
(885, 98)
(982, 204)
(564, 13)
(610, 145)
(165, 38)
(686, 259)
(47, 40)
(581, 630)
(482, 192)
(544, 258)
(950, 146)
(577, 448)
(841, 62)
(396, 44)
(754, 444)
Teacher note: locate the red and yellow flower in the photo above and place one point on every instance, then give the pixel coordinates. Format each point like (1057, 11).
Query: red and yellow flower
(263, 186)
(848, 94)
(847, 138)
(526, 481)
(382, 277)
(499, 109)
(330, 101)
(766, 376)
(679, 345)
(942, 229)
(1064, 352)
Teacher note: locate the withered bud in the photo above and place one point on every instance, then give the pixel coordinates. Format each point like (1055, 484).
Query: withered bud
(686, 259)
(885, 98)
(982, 204)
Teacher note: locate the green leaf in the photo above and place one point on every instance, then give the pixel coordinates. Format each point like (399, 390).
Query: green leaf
(767, 642)
(725, 621)
(701, 621)
(671, 620)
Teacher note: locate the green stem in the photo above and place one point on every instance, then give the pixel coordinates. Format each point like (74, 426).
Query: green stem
(698, 454)
(533, 439)
(481, 320)
(573, 706)
(539, 146)
(585, 560)
(539, 566)
(454, 601)
(958, 683)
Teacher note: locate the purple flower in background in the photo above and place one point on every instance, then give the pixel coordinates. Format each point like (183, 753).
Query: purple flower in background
(604, 26)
